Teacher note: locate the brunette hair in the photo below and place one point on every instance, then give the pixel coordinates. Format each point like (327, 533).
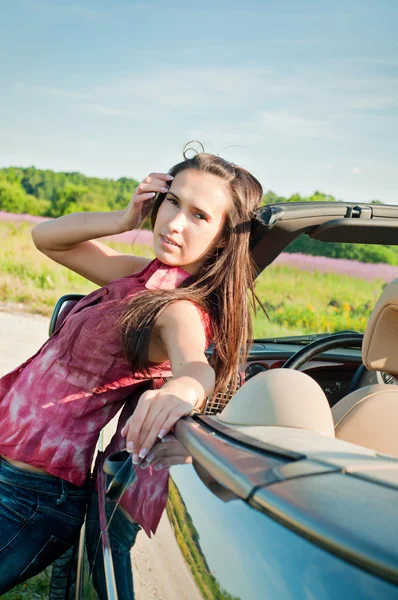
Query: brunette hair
(222, 286)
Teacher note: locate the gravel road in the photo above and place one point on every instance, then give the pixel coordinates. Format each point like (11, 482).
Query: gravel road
(160, 572)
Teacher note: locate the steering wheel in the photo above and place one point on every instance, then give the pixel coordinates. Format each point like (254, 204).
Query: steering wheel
(362, 376)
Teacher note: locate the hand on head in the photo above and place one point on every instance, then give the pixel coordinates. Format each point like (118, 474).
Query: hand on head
(141, 201)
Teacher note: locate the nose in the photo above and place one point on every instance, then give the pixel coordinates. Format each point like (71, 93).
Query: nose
(177, 222)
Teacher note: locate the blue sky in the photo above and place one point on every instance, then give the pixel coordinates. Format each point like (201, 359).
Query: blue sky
(303, 93)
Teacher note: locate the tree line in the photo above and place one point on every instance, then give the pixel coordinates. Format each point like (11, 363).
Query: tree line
(49, 194)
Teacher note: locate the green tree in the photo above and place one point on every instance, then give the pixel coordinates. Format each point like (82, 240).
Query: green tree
(68, 199)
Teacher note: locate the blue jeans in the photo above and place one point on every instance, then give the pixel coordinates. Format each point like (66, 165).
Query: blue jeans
(40, 517)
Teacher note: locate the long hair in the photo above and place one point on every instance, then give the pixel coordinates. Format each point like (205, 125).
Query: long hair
(222, 286)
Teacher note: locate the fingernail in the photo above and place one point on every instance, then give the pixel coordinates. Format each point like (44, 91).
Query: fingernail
(136, 459)
(162, 433)
(167, 438)
(152, 194)
(164, 189)
(143, 452)
(144, 465)
(123, 432)
(150, 457)
(158, 467)
(169, 177)
(130, 446)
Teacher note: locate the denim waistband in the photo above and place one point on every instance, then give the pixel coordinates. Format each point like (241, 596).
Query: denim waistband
(40, 482)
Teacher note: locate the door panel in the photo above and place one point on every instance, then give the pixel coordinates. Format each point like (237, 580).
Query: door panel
(234, 551)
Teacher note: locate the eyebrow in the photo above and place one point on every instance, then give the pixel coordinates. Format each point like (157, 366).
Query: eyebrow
(195, 207)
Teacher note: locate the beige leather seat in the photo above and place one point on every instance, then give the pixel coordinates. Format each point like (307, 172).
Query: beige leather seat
(369, 416)
(283, 398)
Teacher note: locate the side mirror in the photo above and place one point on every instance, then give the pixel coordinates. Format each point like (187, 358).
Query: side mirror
(62, 309)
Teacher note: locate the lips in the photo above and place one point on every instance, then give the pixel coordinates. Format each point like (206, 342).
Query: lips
(169, 240)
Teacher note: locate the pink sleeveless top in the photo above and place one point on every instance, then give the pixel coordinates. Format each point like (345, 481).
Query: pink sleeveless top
(54, 405)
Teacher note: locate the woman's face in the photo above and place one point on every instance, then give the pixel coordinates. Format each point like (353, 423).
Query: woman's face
(191, 218)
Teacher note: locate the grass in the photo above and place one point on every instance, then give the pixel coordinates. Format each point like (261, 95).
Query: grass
(297, 301)
(303, 302)
(36, 588)
(33, 281)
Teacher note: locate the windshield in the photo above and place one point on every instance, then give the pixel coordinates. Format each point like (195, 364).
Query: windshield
(322, 287)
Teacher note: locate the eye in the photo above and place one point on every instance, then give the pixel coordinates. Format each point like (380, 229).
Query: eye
(172, 200)
(200, 216)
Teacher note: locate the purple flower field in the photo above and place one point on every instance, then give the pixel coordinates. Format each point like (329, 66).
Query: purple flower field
(306, 262)
(5, 216)
(138, 237)
(352, 268)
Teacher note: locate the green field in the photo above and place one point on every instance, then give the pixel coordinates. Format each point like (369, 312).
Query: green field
(297, 301)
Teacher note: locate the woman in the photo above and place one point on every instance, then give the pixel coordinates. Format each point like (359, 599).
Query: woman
(150, 319)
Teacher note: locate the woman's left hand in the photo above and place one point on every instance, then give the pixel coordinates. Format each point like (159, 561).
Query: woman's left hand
(166, 455)
(156, 413)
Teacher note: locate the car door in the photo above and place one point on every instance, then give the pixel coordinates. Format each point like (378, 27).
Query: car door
(254, 519)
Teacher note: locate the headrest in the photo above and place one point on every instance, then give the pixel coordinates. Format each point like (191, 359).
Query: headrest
(369, 418)
(380, 342)
(281, 397)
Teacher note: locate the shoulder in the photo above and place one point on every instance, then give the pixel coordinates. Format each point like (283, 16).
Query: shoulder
(186, 315)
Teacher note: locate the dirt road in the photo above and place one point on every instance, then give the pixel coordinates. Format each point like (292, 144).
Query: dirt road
(159, 570)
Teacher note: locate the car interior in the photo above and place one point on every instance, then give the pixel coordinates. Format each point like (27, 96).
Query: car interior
(287, 398)
(359, 407)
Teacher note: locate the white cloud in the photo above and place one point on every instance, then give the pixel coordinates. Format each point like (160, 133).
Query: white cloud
(102, 110)
(93, 14)
(312, 106)
(293, 125)
(375, 101)
(62, 93)
(356, 170)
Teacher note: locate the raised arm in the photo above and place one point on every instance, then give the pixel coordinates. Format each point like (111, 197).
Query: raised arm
(70, 240)
(182, 336)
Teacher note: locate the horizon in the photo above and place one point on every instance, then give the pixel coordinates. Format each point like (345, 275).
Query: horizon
(325, 192)
(303, 95)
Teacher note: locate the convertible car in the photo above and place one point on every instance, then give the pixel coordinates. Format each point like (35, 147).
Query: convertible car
(288, 488)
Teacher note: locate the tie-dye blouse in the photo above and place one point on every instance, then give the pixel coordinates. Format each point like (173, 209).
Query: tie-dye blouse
(54, 405)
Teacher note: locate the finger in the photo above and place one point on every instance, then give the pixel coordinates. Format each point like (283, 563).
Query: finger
(151, 427)
(174, 415)
(144, 188)
(157, 413)
(181, 410)
(144, 197)
(163, 176)
(159, 450)
(156, 181)
(135, 422)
